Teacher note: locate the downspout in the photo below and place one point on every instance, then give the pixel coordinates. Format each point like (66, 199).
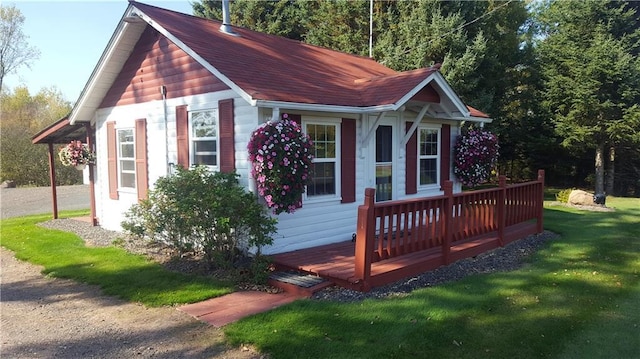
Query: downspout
(92, 179)
(163, 91)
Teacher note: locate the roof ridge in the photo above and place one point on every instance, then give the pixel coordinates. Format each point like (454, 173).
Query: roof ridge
(398, 74)
(259, 33)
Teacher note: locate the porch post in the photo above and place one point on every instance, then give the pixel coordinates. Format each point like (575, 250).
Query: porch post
(365, 239)
(52, 180)
(447, 186)
(540, 209)
(501, 208)
(92, 186)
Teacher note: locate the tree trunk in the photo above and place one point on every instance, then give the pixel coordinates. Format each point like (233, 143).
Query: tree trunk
(610, 170)
(600, 168)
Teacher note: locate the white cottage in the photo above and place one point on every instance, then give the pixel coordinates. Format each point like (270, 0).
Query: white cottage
(165, 76)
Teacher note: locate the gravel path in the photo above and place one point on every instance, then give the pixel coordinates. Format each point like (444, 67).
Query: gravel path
(23, 201)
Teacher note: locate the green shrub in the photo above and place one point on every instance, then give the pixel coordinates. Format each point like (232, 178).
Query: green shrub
(204, 213)
(563, 195)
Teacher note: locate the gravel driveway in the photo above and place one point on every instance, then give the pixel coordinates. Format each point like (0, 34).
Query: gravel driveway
(16, 202)
(45, 317)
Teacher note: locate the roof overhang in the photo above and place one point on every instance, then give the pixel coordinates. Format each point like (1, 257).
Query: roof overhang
(111, 61)
(61, 131)
(450, 106)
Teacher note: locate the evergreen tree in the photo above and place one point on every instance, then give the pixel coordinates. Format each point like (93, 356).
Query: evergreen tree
(589, 54)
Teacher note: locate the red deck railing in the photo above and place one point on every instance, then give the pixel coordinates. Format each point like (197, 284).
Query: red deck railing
(391, 229)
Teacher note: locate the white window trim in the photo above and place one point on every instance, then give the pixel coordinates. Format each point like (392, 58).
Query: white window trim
(438, 158)
(338, 159)
(192, 151)
(119, 158)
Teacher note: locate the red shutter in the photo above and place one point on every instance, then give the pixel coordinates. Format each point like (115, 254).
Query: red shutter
(142, 174)
(445, 153)
(227, 155)
(182, 135)
(296, 118)
(411, 178)
(112, 160)
(348, 160)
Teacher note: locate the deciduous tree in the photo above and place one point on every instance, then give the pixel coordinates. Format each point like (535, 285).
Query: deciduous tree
(15, 51)
(22, 116)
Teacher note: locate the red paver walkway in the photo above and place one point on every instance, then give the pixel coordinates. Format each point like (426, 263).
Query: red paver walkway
(232, 307)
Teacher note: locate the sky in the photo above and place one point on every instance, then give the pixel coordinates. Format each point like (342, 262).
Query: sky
(71, 36)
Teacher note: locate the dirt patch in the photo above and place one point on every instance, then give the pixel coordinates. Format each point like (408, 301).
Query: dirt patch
(44, 318)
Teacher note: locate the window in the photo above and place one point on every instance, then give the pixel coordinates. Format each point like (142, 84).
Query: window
(324, 181)
(428, 145)
(126, 158)
(204, 137)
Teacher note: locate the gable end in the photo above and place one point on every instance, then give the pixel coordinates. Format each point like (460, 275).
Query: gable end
(155, 62)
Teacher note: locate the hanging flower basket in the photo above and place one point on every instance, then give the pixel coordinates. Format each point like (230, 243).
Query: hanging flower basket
(281, 156)
(476, 155)
(76, 154)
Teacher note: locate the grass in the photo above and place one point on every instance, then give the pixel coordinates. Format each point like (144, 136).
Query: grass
(114, 270)
(576, 298)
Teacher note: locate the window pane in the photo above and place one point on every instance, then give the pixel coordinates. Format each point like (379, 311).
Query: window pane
(127, 180)
(384, 149)
(203, 124)
(127, 165)
(208, 160)
(384, 182)
(428, 171)
(428, 142)
(323, 181)
(126, 150)
(205, 146)
(324, 139)
(125, 136)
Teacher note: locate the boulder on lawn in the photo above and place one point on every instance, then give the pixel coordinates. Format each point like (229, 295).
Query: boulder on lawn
(580, 198)
(8, 184)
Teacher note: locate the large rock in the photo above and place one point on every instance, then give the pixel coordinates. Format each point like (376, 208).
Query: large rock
(8, 184)
(581, 198)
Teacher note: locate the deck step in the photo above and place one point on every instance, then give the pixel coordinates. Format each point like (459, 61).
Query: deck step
(299, 283)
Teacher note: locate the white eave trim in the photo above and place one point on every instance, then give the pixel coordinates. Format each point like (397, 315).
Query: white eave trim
(324, 108)
(95, 76)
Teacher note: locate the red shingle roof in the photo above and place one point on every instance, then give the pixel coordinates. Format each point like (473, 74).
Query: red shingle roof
(273, 68)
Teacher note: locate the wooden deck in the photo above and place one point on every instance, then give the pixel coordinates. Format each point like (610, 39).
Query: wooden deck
(336, 262)
(398, 239)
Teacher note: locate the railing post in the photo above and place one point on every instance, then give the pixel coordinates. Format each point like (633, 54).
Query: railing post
(52, 181)
(501, 208)
(540, 209)
(447, 216)
(365, 239)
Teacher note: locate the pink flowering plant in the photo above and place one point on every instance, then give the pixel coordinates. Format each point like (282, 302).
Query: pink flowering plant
(476, 155)
(281, 156)
(76, 153)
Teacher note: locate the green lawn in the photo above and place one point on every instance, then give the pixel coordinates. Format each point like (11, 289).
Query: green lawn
(117, 272)
(576, 298)
(579, 297)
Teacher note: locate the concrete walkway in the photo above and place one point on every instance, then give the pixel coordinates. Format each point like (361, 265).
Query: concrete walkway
(235, 306)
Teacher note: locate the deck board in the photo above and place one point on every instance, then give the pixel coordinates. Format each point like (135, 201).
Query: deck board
(336, 262)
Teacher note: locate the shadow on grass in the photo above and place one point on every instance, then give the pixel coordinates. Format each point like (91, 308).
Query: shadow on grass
(115, 271)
